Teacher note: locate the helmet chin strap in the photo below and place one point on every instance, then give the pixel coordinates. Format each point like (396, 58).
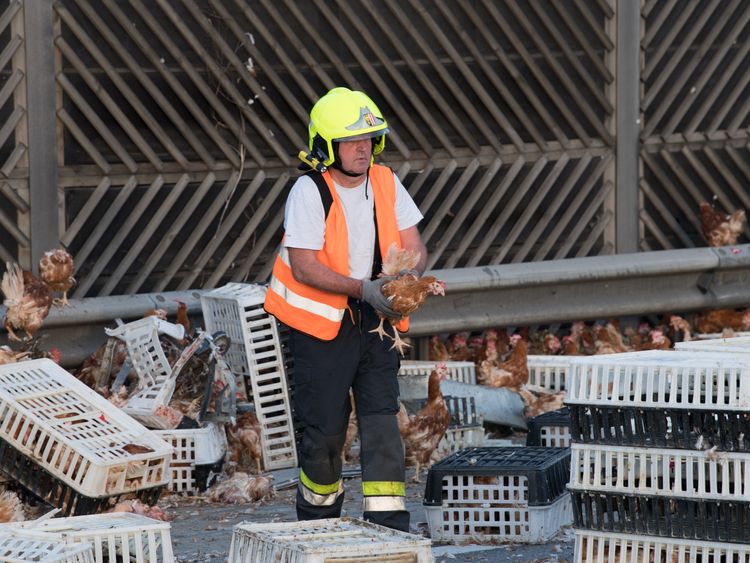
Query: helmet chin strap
(338, 167)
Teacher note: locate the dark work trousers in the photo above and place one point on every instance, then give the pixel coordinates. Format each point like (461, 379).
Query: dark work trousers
(323, 373)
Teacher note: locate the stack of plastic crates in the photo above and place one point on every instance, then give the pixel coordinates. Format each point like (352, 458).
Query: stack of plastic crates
(318, 541)
(23, 545)
(256, 357)
(198, 452)
(661, 456)
(113, 536)
(498, 494)
(69, 446)
(551, 429)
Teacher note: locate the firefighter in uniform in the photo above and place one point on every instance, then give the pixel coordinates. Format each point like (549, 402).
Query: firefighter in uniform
(338, 225)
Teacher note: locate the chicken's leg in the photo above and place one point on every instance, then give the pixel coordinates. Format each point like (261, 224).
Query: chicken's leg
(257, 465)
(416, 478)
(380, 330)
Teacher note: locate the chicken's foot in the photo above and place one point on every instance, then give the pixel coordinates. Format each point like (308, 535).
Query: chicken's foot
(380, 330)
(398, 342)
(12, 335)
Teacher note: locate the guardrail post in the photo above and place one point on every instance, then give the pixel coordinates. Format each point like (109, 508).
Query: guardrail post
(40, 88)
(627, 106)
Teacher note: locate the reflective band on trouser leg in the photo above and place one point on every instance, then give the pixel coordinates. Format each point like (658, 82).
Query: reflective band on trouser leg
(383, 504)
(383, 495)
(319, 495)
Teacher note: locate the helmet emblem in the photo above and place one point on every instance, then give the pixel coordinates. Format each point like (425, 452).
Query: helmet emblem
(366, 119)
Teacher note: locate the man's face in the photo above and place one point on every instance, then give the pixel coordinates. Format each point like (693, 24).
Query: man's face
(355, 155)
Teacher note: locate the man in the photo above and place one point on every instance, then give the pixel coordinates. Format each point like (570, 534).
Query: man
(338, 224)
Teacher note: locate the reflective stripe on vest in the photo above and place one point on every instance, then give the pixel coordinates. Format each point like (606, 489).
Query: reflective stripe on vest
(319, 495)
(300, 302)
(316, 312)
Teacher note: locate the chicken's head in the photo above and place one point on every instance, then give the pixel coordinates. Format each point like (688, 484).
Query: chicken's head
(437, 287)
(442, 370)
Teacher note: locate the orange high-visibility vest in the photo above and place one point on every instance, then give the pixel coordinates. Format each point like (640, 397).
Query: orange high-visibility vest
(314, 311)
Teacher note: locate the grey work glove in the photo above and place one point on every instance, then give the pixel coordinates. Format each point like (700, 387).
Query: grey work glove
(372, 293)
(413, 273)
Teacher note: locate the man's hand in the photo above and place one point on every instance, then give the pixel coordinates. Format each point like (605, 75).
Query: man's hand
(372, 293)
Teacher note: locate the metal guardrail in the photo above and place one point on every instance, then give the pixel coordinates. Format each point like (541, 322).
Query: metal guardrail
(587, 288)
(508, 295)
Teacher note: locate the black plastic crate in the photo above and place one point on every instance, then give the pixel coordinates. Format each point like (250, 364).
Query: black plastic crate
(547, 470)
(663, 428)
(463, 410)
(665, 516)
(56, 493)
(557, 419)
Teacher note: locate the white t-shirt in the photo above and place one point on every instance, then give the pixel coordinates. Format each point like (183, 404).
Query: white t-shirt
(304, 220)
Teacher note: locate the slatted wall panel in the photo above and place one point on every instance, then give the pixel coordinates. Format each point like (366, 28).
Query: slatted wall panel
(696, 105)
(14, 173)
(178, 122)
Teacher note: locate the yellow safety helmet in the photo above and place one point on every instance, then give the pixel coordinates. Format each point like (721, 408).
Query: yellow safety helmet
(343, 115)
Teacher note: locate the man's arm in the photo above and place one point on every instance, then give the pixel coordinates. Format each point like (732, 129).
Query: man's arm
(308, 270)
(412, 240)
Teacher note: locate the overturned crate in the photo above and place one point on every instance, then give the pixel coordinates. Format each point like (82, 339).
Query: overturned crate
(198, 453)
(21, 545)
(71, 447)
(498, 494)
(113, 536)
(330, 540)
(142, 339)
(256, 355)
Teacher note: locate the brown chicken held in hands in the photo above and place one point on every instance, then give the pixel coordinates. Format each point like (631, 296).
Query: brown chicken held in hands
(56, 270)
(27, 301)
(423, 431)
(407, 292)
(721, 229)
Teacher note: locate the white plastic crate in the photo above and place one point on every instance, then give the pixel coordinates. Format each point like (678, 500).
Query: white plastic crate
(548, 372)
(256, 355)
(715, 335)
(320, 541)
(414, 376)
(50, 417)
(660, 472)
(113, 536)
(482, 509)
(144, 350)
(608, 547)
(21, 546)
(460, 437)
(740, 344)
(193, 446)
(463, 372)
(661, 379)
